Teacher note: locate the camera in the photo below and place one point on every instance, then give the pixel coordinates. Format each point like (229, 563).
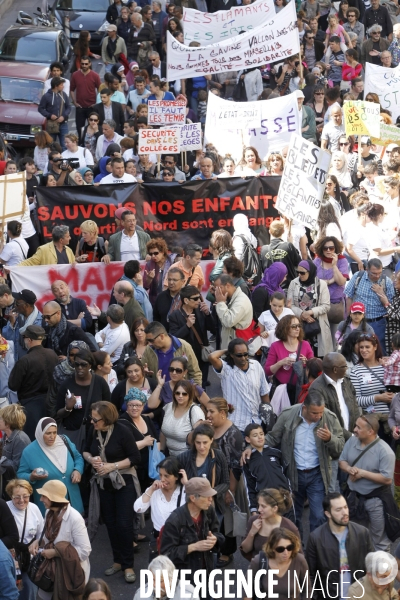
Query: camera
(69, 162)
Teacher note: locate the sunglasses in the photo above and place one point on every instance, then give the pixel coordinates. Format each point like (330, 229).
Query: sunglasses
(366, 336)
(77, 365)
(329, 183)
(151, 341)
(319, 94)
(302, 272)
(175, 370)
(181, 394)
(154, 253)
(344, 143)
(327, 248)
(94, 120)
(195, 298)
(295, 326)
(281, 549)
(95, 420)
(48, 317)
(242, 355)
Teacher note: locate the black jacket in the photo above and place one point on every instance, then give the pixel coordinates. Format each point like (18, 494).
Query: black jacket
(117, 115)
(146, 34)
(261, 301)
(112, 14)
(203, 323)
(161, 308)
(221, 485)
(163, 65)
(266, 470)
(323, 556)
(179, 532)
(72, 311)
(8, 528)
(284, 252)
(72, 333)
(32, 374)
(319, 49)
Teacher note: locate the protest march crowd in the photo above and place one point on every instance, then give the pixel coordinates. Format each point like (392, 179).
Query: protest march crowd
(104, 411)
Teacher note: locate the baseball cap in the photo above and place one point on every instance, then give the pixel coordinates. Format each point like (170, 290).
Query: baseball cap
(200, 486)
(26, 295)
(111, 28)
(365, 139)
(357, 307)
(34, 332)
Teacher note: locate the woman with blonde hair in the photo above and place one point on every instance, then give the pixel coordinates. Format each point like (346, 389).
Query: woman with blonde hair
(43, 141)
(29, 522)
(274, 164)
(12, 421)
(83, 155)
(91, 247)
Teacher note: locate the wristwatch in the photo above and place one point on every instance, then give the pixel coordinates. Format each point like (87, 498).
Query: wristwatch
(116, 465)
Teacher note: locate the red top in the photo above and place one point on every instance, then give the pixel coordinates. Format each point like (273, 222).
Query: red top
(86, 87)
(277, 352)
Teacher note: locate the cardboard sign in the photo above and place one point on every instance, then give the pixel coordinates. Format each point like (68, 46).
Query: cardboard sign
(389, 135)
(385, 82)
(270, 42)
(209, 28)
(303, 182)
(12, 196)
(361, 118)
(222, 113)
(158, 141)
(166, 112)
(189, 136)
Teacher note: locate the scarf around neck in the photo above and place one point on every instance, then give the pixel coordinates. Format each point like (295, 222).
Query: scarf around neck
(29, 320)
(57, 332)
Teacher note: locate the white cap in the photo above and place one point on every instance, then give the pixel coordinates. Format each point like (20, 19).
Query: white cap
(299, 94)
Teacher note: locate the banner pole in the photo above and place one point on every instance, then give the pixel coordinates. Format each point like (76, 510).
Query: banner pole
(359, 150)
(182, 162)
(158, 163)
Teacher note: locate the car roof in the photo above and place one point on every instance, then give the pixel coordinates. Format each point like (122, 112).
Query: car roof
(24, 70)
(40, 33)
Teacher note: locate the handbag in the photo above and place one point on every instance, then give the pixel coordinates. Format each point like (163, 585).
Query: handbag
(356, 509)
(205, 350)
(44, 583)
(336, 313)
(52, 126)
(313, 329)
(22, 553)
(255, 345)
(155, 457)
(239, 519)
(78, 436)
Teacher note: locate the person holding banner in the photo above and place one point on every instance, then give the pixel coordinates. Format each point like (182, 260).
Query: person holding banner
(250, 163)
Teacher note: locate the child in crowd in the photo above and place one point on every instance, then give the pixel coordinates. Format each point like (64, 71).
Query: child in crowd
(336, 29)
(391, 363)
(269, 319)
(354, 322)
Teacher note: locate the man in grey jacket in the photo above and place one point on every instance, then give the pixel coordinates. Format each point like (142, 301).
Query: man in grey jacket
(129, 244)
(309, 436)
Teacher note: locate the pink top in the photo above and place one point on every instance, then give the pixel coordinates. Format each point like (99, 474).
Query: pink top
(339, 31)
(277, 352)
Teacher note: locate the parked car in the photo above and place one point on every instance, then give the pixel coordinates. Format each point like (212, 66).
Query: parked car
(30, 44)
(21, 89)
(83, 15)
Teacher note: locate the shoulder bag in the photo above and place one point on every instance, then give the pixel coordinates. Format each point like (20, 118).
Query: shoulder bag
(356, 508)
(44, 582)
(205, 350)
(22, 553)
(53, 126)
(78, 436)
(312, 329)
(262, 566)
(239, 519)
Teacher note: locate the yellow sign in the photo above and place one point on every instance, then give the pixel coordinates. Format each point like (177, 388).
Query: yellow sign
(390, 134)
(362, 118)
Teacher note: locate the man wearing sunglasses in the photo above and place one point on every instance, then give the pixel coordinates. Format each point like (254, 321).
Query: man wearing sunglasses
(170, 162)
(313, 49)
(32, 375)
(60, 332)
(191, 323)
(166, 347)
(84, 86)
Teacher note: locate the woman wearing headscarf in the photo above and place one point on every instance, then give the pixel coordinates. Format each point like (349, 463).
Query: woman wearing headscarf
(59, 459)
(75, 178)
(240, 230)
(103, 162)
(83, 172)
(61, 372)
(271, 282)
(310, 303)
(339, 168)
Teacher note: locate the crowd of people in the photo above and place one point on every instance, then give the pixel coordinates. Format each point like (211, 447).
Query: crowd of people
(107, 416)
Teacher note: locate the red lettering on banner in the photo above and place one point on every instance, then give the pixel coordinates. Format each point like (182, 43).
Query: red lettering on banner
(57, 214)
(149, 208)
(72, 278)
(252, 203)
(72, 212)
(86, 210)
(211, 205)
(92, 278)
(224, 203)
(179, 207)
(100, 211)
(198, 205)
(43, 213)
(164, 207)
(222, 223)
(238, 204)
(113, 273)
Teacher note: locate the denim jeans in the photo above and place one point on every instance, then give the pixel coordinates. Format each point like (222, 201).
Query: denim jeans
(61, 134)
(117, 511)
(380, 327)
(310, 485)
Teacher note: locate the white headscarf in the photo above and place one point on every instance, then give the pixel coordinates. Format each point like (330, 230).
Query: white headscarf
(57, 453)
(343, 175)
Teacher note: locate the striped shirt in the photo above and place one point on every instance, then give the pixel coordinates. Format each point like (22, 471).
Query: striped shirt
(364, 293)
(243, 389)
(367, 385)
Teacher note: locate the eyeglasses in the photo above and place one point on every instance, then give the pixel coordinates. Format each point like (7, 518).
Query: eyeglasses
(195, 298)
(344, 143)
(154, 339)
(20, 497)
(318, 93)
(181, 394)
(327, 248)
(48, 317)
(295, 326)
(329, 183)
(137, 406)
(85, 64)
(94, 120)
(77, 365)
(95, 420)
(242, 355)
(388, 152)
(154, 253)
(175, 370)
(281, 549)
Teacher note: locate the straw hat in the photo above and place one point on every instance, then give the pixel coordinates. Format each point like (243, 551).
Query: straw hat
(54, 490)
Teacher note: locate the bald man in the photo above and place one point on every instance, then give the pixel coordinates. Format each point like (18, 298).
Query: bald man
(74, 309)
(124, 295)
(60, 332)
(340, 397)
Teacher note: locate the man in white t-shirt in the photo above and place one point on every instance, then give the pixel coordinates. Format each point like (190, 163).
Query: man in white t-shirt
(357, 244)
(118, 174)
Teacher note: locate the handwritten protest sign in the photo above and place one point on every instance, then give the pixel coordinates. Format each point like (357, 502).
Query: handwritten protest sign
(223, 114)
(166, 112)
(361, 118)
(189, 136)
(270, 42)
(209, 28)
(385, 82)
(389, 135)
(303, 182)
(280, 119)
(158, 141)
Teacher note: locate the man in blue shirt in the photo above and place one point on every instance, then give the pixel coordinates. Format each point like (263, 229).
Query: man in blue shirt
(376, 292)
(8, 587)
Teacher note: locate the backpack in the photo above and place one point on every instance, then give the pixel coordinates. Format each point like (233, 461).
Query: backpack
(251, 262)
